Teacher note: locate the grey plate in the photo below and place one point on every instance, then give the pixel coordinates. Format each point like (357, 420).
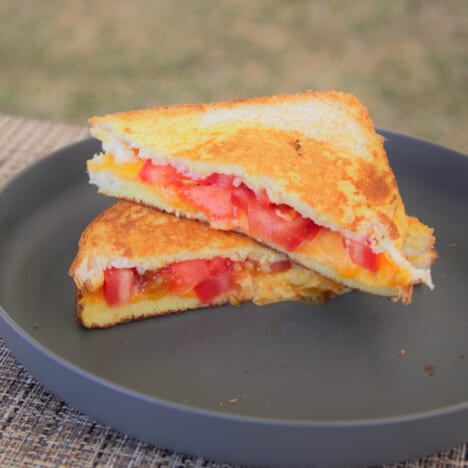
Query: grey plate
(307, 384)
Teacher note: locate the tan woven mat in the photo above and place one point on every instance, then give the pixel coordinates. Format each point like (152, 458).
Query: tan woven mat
(39, 430)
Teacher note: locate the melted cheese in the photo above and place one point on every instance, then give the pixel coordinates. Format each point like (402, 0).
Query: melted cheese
(328, 246)
(126, 170)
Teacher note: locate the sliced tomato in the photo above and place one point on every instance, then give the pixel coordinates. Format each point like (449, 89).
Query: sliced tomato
(214, 199)
(161, 175)
(263, 198)
(361, 253)
(279, 224)
(221, 180)
(184, 276)
(214, 286)
(243, 198)
(218, 265)
(212, 194)
(265, 223)
(207, 278)
(119, 285)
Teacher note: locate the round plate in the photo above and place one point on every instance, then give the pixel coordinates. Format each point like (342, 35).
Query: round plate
(358, 381)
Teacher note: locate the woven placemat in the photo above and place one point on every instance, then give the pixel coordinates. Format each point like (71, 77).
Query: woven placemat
(39, 430)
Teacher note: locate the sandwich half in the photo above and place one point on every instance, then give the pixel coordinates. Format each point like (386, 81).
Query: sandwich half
(305, 174)
(135, 262)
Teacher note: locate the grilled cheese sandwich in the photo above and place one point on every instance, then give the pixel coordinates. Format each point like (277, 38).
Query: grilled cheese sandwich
(136, 262)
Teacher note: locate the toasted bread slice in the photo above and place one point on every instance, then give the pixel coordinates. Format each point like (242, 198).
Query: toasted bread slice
(135, 262)
(305, 174)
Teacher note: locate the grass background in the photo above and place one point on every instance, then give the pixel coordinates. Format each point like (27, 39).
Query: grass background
(407, 60)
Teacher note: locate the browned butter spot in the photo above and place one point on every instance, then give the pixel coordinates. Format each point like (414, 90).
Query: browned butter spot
(372, 183)
(296, 144)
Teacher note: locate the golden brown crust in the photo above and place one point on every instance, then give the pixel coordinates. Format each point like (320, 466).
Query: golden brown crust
(134, 231)
(341, 171)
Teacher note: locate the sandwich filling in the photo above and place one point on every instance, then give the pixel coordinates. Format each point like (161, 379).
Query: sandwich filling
(228, 203)
(206, 280)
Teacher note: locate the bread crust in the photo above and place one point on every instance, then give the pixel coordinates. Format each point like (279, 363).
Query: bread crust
(357, 190)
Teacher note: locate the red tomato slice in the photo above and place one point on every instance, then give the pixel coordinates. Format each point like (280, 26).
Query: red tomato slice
(263, 198)
(361, 253)
(161, 175)
(118, 285)
(279, 224)
(216, 200)
(214, 286)
(184, 276)
(288, 233)
(221, 180)
(243, 198)
(218, 265)
(208, 278)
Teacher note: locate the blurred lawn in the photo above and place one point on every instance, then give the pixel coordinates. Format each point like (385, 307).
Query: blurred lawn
(407, 60)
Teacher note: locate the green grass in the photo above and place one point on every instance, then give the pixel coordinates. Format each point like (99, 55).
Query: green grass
(407, 60)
